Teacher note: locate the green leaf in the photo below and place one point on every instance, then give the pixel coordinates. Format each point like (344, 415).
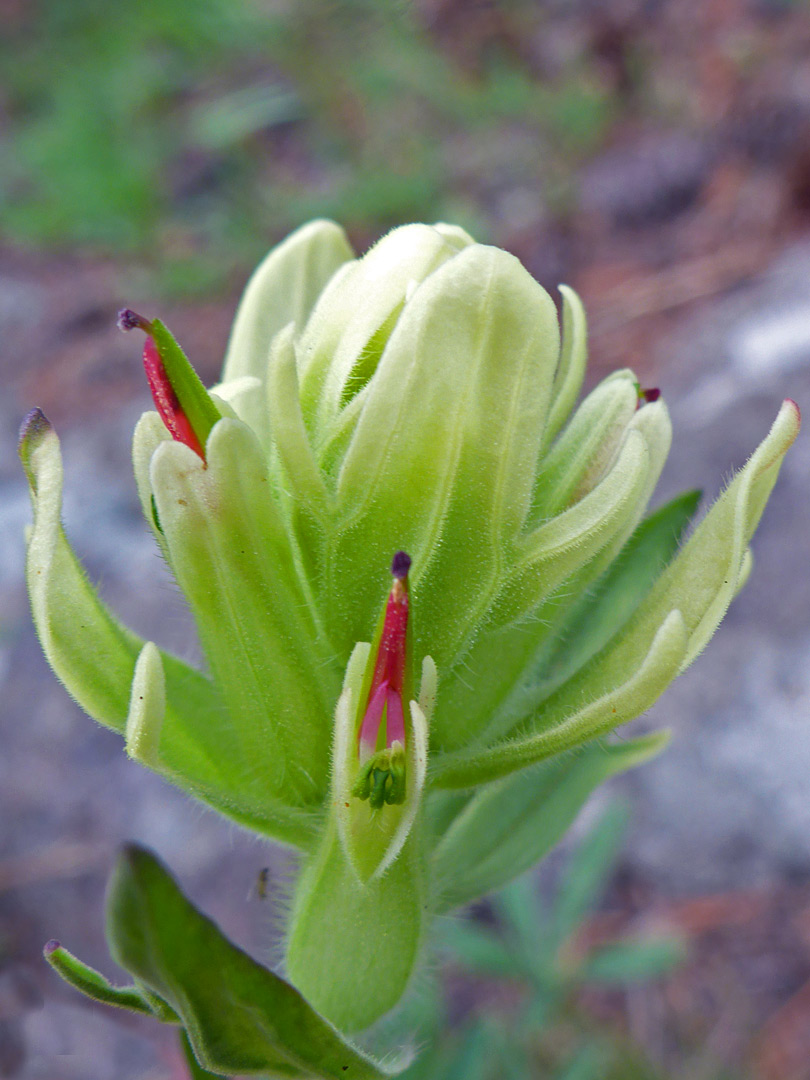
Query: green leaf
(96, 657)
(703, 579)
(633, 961)
(700, 582)
(588, 869)
(510, 825)
(290, 437)
(196, 1071)
(283, 289)
(519, 909)
(558, 548)
(194, 758)
(88, 649)
(570, 722)
(604, 610)
(230, 554)
(343, 340)
(586, 448)
(571, 366)
(586, 1063)
(481, 687)
(443, 455)
(239, 1016)
(479, 949)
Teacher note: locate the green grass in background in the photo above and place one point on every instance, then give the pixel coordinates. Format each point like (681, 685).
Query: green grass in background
(192, 135)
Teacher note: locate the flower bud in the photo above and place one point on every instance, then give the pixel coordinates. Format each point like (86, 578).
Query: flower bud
(343, 341)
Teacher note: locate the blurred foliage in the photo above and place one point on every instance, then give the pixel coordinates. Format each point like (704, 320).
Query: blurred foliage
(194, 134)
(523, 1016)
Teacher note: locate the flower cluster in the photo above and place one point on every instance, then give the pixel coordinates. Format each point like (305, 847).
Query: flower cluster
(418, 399)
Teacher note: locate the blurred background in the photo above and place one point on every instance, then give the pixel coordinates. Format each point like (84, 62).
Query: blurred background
(654, 154)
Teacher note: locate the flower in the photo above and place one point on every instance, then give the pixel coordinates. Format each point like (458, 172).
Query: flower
(381, 732)
(420, 399)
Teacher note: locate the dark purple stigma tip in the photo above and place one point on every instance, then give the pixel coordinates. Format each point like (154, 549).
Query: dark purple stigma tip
(35, 423)
(131, 320)
(400, 565)
(51, 947)
(651, 395)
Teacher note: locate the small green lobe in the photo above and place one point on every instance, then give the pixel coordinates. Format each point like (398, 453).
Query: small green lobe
(92, 983)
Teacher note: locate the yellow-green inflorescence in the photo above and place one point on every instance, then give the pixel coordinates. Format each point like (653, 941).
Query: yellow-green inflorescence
(419, 399)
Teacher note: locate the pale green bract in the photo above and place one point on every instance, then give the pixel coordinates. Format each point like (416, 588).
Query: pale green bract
(418, 398)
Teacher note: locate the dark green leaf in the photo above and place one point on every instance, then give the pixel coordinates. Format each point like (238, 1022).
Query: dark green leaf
(587, 1063)
(480, 949)
(240, 1017)
(590, 624)
(195, 1070)
(633, 961)
(472, 1057)
(588, 869)
(510, 1051)
(511, 824)
(518, 907)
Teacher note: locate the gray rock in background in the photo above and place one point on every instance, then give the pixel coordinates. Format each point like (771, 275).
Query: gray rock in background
(728, 804)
